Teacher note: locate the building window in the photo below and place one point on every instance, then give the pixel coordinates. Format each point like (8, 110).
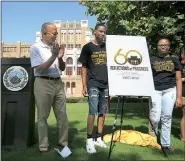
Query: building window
(69, 70)
(72, 37)
(68, 88)
(78, 62)
(79, 70)
(4, 50)
(69, 36)
(64, 36)
(78, 25)
(69, 60)
(63, 25)
(69, 46)
(78, 36)
(78, 46)
(71, 25)
(73, 87)
(84, 22)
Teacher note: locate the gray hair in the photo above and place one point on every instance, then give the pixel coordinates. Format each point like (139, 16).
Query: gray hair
(45, 25)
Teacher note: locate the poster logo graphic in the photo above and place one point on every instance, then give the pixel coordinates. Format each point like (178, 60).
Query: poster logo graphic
(15, 78)
(133, 57)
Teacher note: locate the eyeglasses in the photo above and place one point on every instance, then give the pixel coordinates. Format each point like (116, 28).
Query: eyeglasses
(55, 34)
(163, 45)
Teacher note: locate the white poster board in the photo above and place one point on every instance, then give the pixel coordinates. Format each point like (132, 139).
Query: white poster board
(129, 69)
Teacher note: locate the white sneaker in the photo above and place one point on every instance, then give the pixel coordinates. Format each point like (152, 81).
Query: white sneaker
(90, 146)
(99, 142)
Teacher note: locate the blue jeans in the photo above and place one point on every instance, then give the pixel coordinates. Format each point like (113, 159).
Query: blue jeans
(97, 100)
(161, 110)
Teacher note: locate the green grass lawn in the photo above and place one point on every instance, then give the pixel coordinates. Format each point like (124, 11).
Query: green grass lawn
(134, 118)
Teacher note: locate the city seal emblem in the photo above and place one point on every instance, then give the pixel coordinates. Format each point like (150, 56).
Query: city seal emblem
(15, 78)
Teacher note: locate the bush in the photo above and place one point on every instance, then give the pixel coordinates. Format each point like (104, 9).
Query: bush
(129, 99)
(112, 99)
(76, 99)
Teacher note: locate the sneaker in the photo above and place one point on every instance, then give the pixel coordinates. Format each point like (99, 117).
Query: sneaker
(43, 151)
(99, 142)
(90, 146)
(169, 148)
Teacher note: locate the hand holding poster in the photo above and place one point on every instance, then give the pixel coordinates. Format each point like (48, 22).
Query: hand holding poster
(129, 69)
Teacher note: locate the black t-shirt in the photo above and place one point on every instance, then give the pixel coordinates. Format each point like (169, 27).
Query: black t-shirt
(164, 71)
(183, 83)
(94, 57)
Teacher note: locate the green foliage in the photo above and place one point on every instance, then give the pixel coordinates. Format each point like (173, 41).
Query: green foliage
(129, 99)
(112, 99)
(152, 19)
(76, 99)
(134, 118)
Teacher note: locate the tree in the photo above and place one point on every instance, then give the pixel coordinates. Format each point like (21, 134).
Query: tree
(152, 19)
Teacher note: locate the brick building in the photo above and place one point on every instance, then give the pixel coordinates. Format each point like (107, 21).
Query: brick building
(73, 35)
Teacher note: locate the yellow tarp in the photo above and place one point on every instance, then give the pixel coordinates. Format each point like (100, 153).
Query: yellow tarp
(133, 137)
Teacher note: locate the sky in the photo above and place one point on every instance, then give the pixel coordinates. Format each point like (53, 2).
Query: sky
(21, 20)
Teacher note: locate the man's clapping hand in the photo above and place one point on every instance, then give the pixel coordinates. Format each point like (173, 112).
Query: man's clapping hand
(55, 50)
(61, 51)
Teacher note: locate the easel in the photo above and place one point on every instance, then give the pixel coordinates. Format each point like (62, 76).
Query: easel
(121, 122)
(124, 78)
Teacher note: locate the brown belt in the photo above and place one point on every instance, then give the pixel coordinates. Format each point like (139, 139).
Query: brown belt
(48, 78)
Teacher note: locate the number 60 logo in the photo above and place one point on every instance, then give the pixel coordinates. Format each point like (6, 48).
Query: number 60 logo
(132, 56)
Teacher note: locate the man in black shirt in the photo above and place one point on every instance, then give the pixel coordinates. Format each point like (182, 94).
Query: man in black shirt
(95, 84)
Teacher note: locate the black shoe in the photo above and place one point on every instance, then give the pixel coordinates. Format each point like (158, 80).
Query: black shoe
(60, 147)
(169, 148)
(43, 151)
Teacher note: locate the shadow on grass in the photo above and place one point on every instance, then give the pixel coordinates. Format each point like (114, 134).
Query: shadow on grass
(177, 115)
(176, 130)
(138, 109)
(75, 142)
(119, 156)
(171, 155)
(73, 134)
(108, 129)
(132, 110)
